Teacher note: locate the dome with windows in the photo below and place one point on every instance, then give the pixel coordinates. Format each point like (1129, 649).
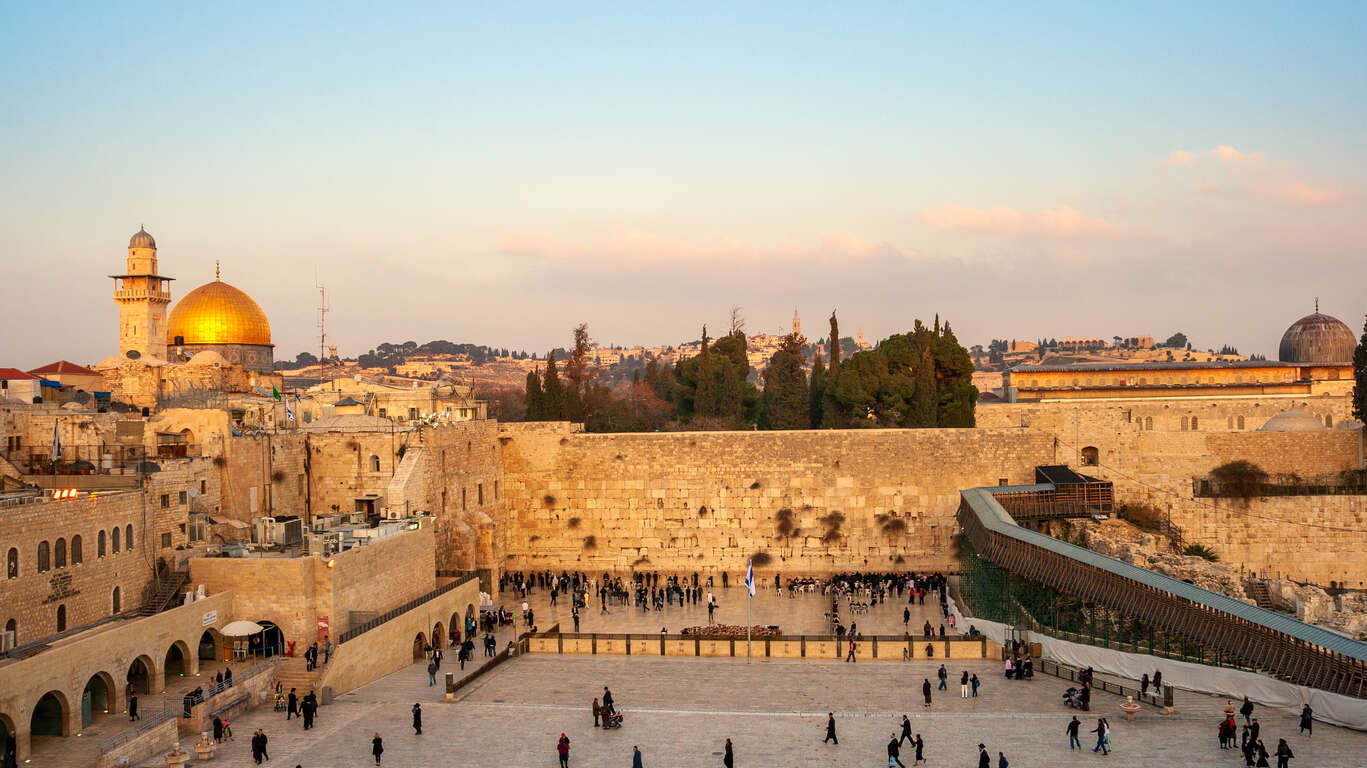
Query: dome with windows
(220, 318)
(142, 239)
(1294, 420)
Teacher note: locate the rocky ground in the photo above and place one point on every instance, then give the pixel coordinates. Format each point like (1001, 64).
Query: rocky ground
(1346, 613)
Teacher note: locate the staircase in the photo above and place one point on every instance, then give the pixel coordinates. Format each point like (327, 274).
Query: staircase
(1257, 589)
(294, 673)
(168, 591)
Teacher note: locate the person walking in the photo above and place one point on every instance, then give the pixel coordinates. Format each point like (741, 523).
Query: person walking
(906, 617)
(431, 673)
(636, 758)
(1144, 685)
(1247, 711)
(259, 746)
(728, 758)
(1283, 753)
(944, 676)
(1100, 731)
(597, 710)
(1073, 741)
(309, 707)
(1001, 760)
(906, 730)
(925, 691)
(292, 706)
(973, 681)
(133, 707)
(377, 747)
(984, 760)
(963, 685)
(850, 656)
(830, 729)
(1307, 721)
(218, 729)
(920, 745)
(894, 751)
(562, 748)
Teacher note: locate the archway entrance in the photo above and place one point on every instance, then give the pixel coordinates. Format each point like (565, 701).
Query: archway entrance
(438, 636)
(1091, 457)
(419, 647)
(98, 699)
(177, 660)
(50, 716)
(457, 627)
(471, 625)
(9, 743)
(140, 676)
(210, 646)
(270, 641)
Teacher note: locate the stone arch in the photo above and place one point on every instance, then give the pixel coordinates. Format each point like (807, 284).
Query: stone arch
(13, 626)
(12, 563)
(51, 715)
(44, 557)
(116, 601)
(210, 646)
(419, 647)
(114, 545)
(141, 676)
(374, 463)
(128, 536)
(59, 553)
(101, 542)
(1091, 457)
(77, 551)
(177, 660)
(61, 618)
(438, 636)
(8, 743)
(99, 698)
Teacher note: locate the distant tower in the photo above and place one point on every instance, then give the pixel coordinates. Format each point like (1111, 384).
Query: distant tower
(861, 338)
(797, 323)
(142, 296)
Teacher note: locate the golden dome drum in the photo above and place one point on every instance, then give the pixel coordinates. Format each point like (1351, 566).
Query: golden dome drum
(217, 313)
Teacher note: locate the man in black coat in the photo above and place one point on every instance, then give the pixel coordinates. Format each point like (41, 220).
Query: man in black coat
(894, 751)
(984, 759)
(292, 705)
(906, 730)
(830, 729)
(417, 719)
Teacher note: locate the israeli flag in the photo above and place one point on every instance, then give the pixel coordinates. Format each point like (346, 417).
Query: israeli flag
(750, 578)
(289, 412)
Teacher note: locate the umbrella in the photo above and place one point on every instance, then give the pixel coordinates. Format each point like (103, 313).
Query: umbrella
(241, 628)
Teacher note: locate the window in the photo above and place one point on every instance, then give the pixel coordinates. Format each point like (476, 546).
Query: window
(118, 604)
(166, 501)
(99, 545)
(181, 497)
(11, 626)
(1091, 457)
(1194, 423)
(1148, 423)
(12, 563)
(412, 413)
(495, 489)
(203, 487)
(479, 489)
(128, 536)
(77, 556)
(1241, 422)
(300, 483)
(61, 618)
(1185, 423)
(166, 541)
(462, 499)
(13, 443)
(115, 545)
(59, 554)
(382, 413)
(374, 463)
(44, 557)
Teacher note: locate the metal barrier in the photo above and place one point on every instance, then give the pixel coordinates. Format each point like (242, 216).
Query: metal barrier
(146, 723)
(1244, 634)
(361, 629)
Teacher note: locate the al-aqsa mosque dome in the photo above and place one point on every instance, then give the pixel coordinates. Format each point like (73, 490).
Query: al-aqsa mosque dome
(220, 317)
(1317, 338)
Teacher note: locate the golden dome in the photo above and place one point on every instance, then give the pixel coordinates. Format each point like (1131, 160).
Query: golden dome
(218, 313)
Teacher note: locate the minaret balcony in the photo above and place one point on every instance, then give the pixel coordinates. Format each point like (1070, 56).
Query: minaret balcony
(141, 294)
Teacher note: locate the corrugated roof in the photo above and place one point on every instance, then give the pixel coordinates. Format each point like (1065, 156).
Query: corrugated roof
(995, 518)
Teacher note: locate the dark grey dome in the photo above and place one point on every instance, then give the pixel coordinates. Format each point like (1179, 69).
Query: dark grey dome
(1317, 338)
(141, 239)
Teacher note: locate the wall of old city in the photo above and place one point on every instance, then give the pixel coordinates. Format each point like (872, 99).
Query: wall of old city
(85, 590)
(344, 466)
(706, 501)
(294, 592)
(265, 475)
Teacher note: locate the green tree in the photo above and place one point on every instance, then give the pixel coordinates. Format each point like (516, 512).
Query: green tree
(786, 403)
(835, 346)
(553, 392)
(579, 375)
(534, 397)
(1360, 378)
(704, 390)
(816, 393)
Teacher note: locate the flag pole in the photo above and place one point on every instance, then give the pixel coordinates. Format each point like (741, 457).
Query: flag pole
(749, 600)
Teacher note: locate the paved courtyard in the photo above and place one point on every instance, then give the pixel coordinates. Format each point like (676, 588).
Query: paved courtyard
(679, 711)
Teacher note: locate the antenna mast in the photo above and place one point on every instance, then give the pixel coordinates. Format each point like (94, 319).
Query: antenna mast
(322, 328)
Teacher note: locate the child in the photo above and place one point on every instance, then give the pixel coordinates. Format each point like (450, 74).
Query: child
(227, 729)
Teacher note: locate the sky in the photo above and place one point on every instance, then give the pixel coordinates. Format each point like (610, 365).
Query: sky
(499, 173)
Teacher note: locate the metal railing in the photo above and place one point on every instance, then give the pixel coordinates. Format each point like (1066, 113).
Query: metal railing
(234, 682)
(146, 723)
(390, 615)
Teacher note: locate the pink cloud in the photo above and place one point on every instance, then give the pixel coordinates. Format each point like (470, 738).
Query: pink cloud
(1062, 222)
(1180, 158)
(633, 246)
(1300, 193)
(1231, 156)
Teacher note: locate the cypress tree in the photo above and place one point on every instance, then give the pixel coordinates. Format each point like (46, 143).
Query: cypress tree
(705, 395)
(1360, 378)
(834, 367)
(534, 410)
(553, 392)
(816, 392)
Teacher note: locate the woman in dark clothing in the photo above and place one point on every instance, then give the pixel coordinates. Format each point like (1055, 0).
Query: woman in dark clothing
(1307, 721)
(218, 729)
(925, 691)
(728, 759)
(920, 745)
(1261, 751)
(562, 748)
(1283, 753)
(377, 748)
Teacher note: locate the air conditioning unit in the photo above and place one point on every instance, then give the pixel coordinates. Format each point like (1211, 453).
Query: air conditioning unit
(324, 544)
(7, 641)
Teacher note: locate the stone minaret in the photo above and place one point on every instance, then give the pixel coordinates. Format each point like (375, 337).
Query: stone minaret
(142, 296)
(797, 323)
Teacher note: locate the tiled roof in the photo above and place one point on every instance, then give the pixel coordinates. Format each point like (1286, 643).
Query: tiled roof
(14, 374)
(63, 366)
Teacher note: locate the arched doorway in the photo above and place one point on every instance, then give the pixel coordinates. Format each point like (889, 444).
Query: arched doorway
(9, 740)
(177, 660)
(140, 676)
(471, 620)
(270, 641)
(50, 716)
(210, 646)
(98, 699)
(457, 626)
(438, 636)
(1091, 457)
(419, 647)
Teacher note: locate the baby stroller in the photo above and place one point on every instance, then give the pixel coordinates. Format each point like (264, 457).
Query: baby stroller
(1073, 698)
(612, 719)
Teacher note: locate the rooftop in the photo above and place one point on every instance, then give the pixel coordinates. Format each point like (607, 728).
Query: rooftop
(1154, 366)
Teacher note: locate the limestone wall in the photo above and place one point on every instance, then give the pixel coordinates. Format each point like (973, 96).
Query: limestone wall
(706, 501)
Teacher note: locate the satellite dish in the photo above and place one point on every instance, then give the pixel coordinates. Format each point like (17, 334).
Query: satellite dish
(193, 493)
(132, 354)
(82, 397)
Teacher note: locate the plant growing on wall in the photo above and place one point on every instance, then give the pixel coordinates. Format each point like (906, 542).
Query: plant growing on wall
(1239, 479)
(832, 522)
(1201, 551)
